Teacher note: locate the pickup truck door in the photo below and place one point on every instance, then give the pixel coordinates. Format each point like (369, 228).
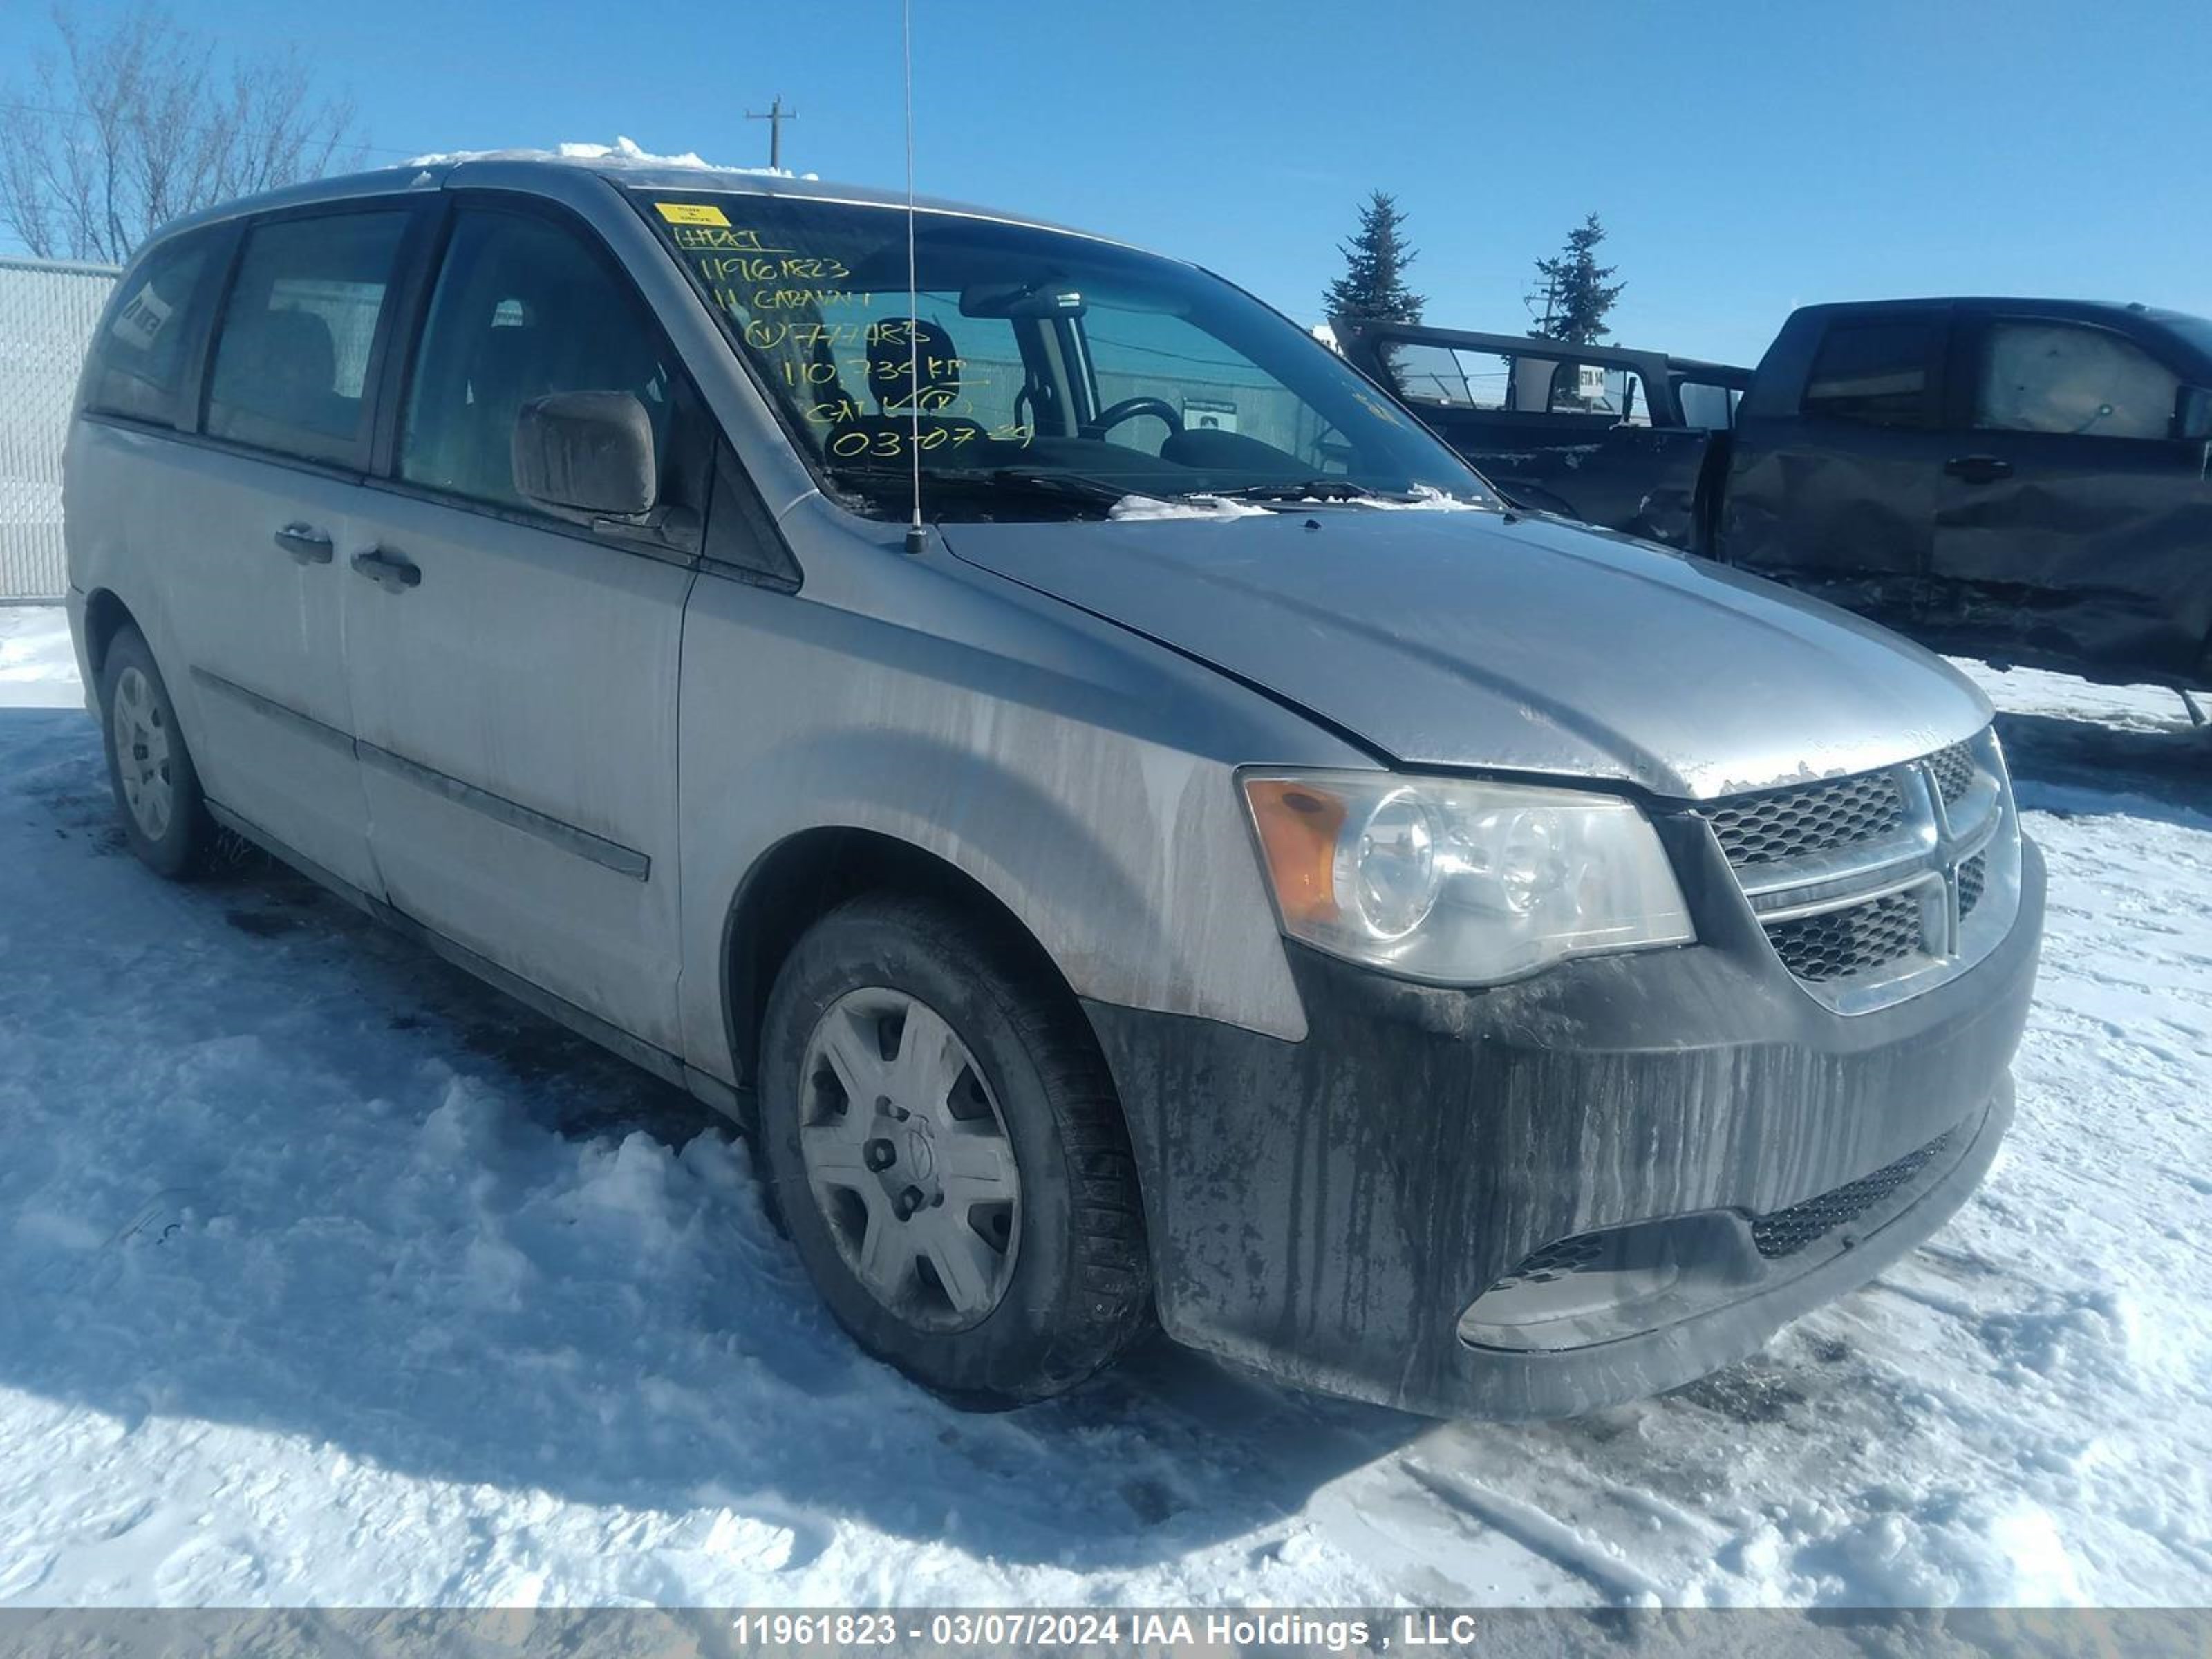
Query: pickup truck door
(2075, 528)
(1597, 437)
(515, 673)
(1835, 476)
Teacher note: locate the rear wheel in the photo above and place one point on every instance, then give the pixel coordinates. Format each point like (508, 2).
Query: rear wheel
(157, 788)
(942, 1141)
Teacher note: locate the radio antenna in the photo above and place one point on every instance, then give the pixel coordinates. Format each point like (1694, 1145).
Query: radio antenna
(917, 539)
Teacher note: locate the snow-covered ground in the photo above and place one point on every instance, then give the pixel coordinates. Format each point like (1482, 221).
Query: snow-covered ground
(330, 1277)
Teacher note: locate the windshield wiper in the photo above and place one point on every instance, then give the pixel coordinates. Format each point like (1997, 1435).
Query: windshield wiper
(1039, 482)
(1313, 489)
(1344, 489)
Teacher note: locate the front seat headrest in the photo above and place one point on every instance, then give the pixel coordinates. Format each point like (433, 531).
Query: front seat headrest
(929, 359)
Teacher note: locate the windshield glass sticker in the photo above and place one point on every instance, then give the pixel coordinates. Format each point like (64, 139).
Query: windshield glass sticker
(691, 213)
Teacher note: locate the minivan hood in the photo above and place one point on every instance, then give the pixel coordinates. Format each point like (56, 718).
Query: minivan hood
(1509, 643)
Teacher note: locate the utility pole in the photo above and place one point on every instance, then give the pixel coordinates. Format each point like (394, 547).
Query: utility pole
(776, 116)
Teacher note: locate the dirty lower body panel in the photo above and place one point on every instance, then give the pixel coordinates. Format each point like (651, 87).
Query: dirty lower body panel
(1539, 1198)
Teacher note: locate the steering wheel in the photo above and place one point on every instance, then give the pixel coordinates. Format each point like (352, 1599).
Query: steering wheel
(1127, 409)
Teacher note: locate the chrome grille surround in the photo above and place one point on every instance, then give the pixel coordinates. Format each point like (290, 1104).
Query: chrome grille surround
(1866, 906)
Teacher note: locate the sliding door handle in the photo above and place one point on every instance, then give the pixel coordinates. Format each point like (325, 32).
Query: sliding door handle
(306, 543)
(388, 570)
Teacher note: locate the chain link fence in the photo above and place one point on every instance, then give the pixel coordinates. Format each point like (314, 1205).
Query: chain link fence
(47, 310)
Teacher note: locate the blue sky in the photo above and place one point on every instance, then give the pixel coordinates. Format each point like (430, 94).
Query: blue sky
(1746, 158)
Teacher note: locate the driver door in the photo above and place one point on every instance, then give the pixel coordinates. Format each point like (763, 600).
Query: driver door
(2074, 525)
(515, 673)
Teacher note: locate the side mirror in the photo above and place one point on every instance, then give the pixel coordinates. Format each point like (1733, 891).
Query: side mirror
(2192, 413)
(588, 452)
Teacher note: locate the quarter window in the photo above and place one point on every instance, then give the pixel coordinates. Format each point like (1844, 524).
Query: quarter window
(523, 310)
(1874, 373)
(138, 361)
(1707, 405)
(292, 362)
(2057, 377)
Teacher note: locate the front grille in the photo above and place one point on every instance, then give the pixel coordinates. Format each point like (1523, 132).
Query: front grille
(1785, 1232)
(1974, 877)
(1953, 771)
(1849, 879)
(1836, 943)
(1792, 824)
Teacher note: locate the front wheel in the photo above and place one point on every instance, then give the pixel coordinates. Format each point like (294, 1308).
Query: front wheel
(941, 1138)
(157, 788)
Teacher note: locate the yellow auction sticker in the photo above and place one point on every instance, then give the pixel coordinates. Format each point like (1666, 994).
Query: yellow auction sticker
(691, 213)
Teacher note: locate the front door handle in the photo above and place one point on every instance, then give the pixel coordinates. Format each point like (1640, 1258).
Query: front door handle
(1978, 469)
(388, 570)
(305, 543)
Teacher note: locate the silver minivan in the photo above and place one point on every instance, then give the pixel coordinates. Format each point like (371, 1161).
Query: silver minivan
(1127, 818)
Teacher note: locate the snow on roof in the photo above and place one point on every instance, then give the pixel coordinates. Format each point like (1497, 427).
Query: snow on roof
(624, 152)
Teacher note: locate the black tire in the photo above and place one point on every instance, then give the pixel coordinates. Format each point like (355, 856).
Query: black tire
(180, 844)
(1078, 1288)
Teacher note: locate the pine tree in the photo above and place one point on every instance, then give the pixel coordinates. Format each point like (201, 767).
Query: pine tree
(1572, 291)
(1373, 286)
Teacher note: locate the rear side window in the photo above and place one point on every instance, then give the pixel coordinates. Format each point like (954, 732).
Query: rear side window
(1877, 374)
(2085, 382)
(1593, 389)
(145, 347)
(292, 360)
(523, 308)
(1439, 374)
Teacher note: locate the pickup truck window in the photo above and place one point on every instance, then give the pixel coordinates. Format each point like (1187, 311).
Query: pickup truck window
(1459, 380)
(1712, 407)
(1592, 389)
(1531, 383)
(2062, 378)
(1876, 373)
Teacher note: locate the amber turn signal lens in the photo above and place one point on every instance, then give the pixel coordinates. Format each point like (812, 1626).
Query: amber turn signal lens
(1299, 826)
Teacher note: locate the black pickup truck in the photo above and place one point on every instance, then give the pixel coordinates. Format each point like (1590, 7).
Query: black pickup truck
(2024, 481)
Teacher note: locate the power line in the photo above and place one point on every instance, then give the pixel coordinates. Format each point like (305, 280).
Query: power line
(86, 115)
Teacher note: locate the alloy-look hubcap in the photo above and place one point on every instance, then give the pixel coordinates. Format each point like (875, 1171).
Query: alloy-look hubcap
(909, 1159)
(142, 754)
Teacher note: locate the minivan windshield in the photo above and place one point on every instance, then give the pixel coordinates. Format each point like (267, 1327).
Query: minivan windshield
(1035, 374)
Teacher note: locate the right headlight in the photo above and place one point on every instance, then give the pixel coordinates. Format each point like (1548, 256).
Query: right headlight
(1461, 881)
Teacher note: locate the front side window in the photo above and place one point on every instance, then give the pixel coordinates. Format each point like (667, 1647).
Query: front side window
(139, 359)
(292, 360)
(523, 309)
(1878, 374)
(1707, 404)
(2062, 378)
(1035, 372)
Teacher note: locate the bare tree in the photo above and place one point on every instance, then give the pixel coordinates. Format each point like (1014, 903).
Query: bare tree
(141, 120)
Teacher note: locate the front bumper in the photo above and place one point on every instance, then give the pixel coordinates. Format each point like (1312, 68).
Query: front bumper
(75, 601)
(1329, 1210)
